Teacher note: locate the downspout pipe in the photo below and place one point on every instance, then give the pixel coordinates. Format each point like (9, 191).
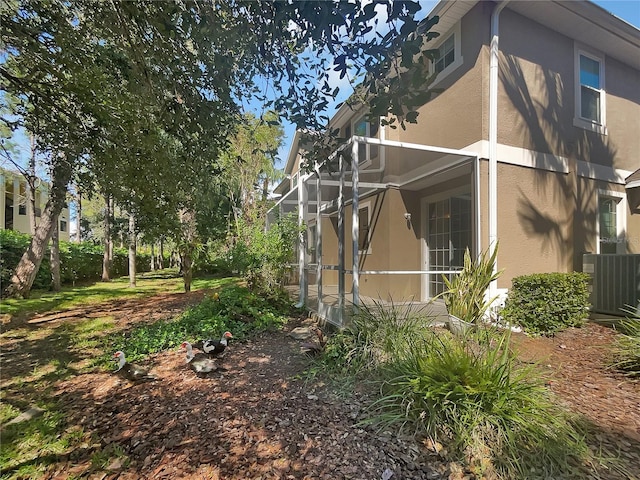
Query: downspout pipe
(493, 137)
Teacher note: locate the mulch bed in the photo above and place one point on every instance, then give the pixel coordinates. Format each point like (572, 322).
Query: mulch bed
(262, 418)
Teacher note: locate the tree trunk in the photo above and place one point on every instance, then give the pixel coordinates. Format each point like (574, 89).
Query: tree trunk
(132, 251)
(79, 218)
(31, 184)
(153, 257)
(106, 257)
(54, 258)
(27, 269)
(187, 246)
(161, 256)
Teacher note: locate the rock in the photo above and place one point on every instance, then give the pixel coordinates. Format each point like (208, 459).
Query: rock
(302, 333)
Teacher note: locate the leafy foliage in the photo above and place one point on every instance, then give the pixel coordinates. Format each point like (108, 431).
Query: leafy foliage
(78, 261)
(547, 303)
(234, 308)
(264, 256)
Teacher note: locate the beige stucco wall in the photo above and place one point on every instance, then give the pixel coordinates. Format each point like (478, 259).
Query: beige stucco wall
(546, 219)
(536, 101)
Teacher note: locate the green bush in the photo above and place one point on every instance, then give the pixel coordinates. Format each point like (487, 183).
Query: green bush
(492, 414)
(78, 261)
(546, 303)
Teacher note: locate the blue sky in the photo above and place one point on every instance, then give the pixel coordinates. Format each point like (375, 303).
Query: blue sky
(628, 10)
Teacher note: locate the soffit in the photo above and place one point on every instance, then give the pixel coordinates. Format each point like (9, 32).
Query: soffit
(588, 24)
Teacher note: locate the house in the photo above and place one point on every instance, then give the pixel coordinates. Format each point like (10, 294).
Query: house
(533, 143)
(15, 207)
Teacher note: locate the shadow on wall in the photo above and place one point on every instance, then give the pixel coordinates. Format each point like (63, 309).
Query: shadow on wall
(545, 125)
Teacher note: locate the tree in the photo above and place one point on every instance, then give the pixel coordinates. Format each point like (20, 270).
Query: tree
(145, 95)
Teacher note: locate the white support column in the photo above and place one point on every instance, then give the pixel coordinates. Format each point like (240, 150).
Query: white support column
(493, 137)
(477, 211)
(341, 239)
(302, 250)
(318, 236)
(355, 224)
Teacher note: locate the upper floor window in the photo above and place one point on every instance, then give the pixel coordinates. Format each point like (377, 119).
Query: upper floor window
(590, 92)
(446, 54)
(365, 128)
(63, 225)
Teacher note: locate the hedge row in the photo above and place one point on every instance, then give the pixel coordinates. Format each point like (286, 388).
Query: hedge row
(546, 303)
(78, 261)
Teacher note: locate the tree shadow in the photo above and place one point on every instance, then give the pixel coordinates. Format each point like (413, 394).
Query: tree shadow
(545, 126)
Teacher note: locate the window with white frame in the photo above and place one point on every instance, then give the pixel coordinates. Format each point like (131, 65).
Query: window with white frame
(590, 90)
(611, 222)
(365, 128)
(448, 55)
(364, 228)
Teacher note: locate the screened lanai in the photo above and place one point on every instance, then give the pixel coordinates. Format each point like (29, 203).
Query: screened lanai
(384, 227)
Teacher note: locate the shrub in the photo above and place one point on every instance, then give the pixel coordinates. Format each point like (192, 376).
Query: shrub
(78, 261)
(492, 414)
(547, 303)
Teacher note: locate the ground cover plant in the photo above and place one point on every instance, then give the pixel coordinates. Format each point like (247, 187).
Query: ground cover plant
(235, 308)
(77, 347)
(495, 415)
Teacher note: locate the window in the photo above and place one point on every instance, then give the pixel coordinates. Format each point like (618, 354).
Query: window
(590, 92)
(22, 199)
(611, 219)
(446, 54)
(364, 229)
(448, 236)
(364, 128)
(63, 225)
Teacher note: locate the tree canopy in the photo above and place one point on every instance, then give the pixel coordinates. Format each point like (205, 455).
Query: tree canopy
(139, 99)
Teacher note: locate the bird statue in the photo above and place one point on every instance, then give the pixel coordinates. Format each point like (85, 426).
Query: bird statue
(131, 371)
(214, 348)
(200, 363)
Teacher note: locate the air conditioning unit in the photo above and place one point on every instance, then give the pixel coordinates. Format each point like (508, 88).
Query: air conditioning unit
(615, 282)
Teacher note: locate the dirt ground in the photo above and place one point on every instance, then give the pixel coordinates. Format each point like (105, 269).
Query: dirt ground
(262, 418)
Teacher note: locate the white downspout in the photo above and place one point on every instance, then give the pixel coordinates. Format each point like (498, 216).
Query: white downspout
(493, 137)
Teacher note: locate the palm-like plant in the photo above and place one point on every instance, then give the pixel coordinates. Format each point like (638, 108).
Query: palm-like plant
(465, 296)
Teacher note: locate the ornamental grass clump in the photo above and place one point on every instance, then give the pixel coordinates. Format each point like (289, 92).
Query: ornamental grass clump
(377, 334)
(626, 350)
(492, 413)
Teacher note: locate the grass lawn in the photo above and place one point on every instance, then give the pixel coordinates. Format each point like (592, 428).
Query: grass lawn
(58, 350)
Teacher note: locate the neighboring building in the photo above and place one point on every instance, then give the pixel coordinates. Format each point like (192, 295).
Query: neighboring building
(15, 207)
(534, 144)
